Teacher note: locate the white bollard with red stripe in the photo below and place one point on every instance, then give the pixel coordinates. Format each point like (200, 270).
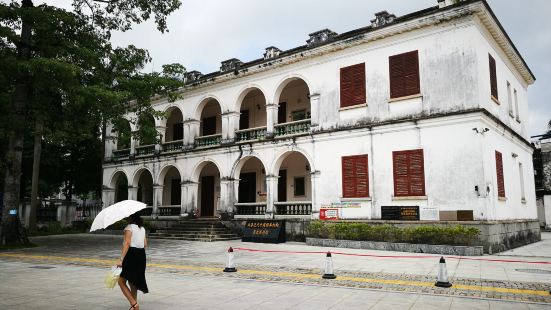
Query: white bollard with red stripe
(328, 274)
(230, 267)
(442, 278)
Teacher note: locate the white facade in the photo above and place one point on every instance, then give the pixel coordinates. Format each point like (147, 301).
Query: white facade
(453, 120)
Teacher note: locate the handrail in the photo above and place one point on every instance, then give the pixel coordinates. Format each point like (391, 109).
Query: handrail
(210, 140)
(291, 128)
(170, 146)
(251, 134)
(145, 149)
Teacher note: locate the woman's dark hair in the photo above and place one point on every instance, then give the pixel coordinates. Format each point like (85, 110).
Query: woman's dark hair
(136, 219)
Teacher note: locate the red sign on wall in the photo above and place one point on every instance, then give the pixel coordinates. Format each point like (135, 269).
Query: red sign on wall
(329, 214)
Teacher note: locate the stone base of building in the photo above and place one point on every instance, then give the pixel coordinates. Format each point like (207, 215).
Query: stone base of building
(458, 250)
(495, 236)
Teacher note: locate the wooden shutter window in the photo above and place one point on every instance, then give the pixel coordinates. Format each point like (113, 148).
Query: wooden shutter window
(493, 76)
(355, 178)
(352, 85)
(409, 173)
(404, 74)
(499, 171)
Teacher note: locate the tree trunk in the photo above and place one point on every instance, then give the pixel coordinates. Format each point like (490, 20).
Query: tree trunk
(10, 234)
(39, 129)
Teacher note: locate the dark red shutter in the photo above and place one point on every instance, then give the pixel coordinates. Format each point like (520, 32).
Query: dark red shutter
(500, 180)
(404, 74)
(355, 178)
(493, 76)
(352, 85)
(409, 173)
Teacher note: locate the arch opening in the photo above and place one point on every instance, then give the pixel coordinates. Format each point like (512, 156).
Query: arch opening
(208, 198)
(124, 134)
(252, 110)
(172, 190)
(211, 119)
(174, 125)
(252, 181)
(147, 133)
(145, 187)
(294, 182)
(293, 101)
(120, 183)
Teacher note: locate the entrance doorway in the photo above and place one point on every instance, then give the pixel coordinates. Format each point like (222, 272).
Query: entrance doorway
(247, 187)
(282, 186)
(207, 196)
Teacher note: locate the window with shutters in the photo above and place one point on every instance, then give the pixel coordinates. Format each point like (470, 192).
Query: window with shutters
(500, 178)
(352, 85)
(404, 74)
(493, 77)
(355, 180)
(409, 173)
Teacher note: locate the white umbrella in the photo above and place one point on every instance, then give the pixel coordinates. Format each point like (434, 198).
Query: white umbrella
(115, 213)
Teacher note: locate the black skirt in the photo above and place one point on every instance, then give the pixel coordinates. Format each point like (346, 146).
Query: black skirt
(133, 268)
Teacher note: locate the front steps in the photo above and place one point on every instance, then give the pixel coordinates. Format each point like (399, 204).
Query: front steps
(206, 230)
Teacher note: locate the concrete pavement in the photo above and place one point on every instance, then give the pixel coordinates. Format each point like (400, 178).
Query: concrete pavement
(178, 269)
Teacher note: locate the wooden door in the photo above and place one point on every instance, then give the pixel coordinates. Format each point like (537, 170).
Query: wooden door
(247, 187)
(244, 120)
(282, 113)
(282, 186)
(175, 192)
(207, 196)
(209, 126)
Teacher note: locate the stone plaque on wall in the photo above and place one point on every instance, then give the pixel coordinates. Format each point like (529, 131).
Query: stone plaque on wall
(400, 213)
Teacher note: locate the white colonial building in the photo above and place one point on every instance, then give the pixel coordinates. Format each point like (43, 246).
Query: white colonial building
(427, 109)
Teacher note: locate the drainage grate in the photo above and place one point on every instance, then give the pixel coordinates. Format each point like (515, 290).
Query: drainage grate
(538, 271)
(42, 267)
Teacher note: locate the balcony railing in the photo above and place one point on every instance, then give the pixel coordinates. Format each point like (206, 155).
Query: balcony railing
(251, 134)
(293, 208)
(121, 154)
(172, 146)
(252, 208)
(292, 128)
(169, 210)
(145, 150)
(207, 141)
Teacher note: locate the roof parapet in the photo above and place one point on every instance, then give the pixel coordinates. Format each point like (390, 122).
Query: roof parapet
(320, 37)
(382, 18)
(271, 52)
(230, 65)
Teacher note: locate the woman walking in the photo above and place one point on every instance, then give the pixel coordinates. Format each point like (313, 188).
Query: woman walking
(132, 261)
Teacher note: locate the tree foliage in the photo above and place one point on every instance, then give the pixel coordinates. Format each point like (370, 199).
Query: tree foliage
(66, 73)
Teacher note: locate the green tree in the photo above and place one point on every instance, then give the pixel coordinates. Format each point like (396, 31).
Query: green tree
(58, 67)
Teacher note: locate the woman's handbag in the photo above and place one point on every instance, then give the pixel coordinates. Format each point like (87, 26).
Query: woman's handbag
(112, 277)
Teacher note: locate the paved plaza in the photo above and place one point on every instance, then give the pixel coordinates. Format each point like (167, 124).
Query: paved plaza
(66, 272)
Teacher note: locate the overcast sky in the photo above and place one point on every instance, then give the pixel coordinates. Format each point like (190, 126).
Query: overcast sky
(205, 32)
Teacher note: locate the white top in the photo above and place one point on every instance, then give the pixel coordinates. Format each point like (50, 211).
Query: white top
(138, 235)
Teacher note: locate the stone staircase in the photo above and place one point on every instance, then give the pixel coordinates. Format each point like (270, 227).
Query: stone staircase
(206, 230)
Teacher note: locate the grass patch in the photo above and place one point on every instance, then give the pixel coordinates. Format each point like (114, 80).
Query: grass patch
(426, 234)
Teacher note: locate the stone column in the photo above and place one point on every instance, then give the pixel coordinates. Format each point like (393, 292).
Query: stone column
(157, 199)
(230, 123)
(191, 131)
(133, 143)
(314, 111)
(271, 118)
(110, 146)
(227, 195)
(132, 193)
(271, 195)
(107, 197)
(189, 196)
(161, 130)
(314, 175)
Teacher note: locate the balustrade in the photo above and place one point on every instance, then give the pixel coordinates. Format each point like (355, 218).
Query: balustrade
(251, 134)
(293, 208)
(252, 208)
(145, 150)
(121, 154)
(206, 141)
(292, 128)
(169, 211)
(172, 146)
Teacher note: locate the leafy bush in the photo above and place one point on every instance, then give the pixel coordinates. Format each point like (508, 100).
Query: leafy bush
(426, 234)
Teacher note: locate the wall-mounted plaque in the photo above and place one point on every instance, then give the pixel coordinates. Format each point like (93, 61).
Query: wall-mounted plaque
(400, 213)
(264, 231)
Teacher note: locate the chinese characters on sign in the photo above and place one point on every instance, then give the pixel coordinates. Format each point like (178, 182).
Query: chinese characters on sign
(266, 231)
(329, 214)
(402, 213)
